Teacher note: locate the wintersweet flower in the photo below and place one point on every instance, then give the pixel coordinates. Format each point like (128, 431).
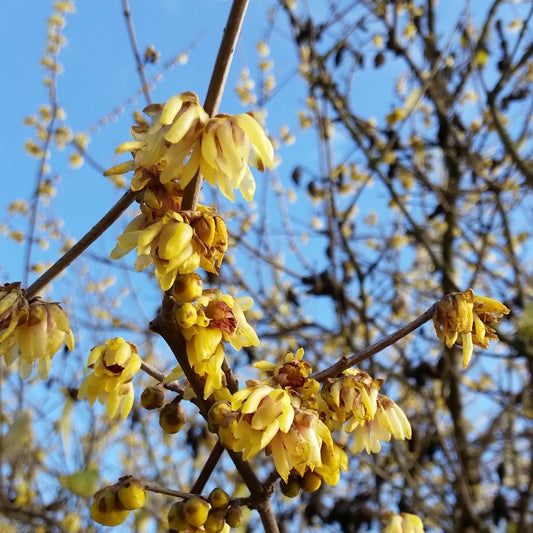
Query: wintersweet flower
(14, 310)
(293, 375)
(207, 322)
(114, 365)
(301, 447)
(350, 398)
(161, 150)
(165, 242)
(389, 421)
(402, 523)
(463, 318)
(263, 412)
(229, 145)
(31, 331)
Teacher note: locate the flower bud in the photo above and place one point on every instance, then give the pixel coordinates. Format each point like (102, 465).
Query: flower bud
(176, 517)
(153, 397)
(291, 488)
(311, 481)
(196, 511)
(187, 287)
(219, 498)
(185, 315)
(234, 515)
(106, 508)
(131, 494)
(172, 417)
(216, 519)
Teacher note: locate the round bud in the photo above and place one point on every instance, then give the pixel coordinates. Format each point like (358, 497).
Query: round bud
(216, 519)
(153, 397)
(172, 417)
(185, 315)
(218, 412)
(106, 509)
(291, 488)
(131, 494)
(196, 511)
(176, 517)
(187, 287)
(219, 498)
(311, 481)
(234, 515)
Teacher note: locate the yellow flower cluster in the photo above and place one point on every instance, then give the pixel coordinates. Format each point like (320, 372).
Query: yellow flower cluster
(114, 365)
(462, 318)
(292, 417)
(31, 331)
(174, 242)
(182, 140)
(208, 318)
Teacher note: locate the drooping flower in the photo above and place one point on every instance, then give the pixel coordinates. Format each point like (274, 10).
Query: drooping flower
(114, 365)
(162, 149)
(165, 242)
(349, 399)
(402, 523)
(175, 242)
(293, 374)
(207, 322)
(389, 421)
(463, 318)
(229, 145)
(31, 331)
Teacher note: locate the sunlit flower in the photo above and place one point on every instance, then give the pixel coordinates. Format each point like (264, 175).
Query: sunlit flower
(14, 310)
(161, 149)
(264, 411)
(389, 421)
(402, 523)
(293, 374)
(350, 398)
(207, 322)
(114, 365)
(462, 318)
(229, 144)
(31, 331)
(301, 447)
(166, 242)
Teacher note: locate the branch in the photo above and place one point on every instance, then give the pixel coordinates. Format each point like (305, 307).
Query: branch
(98, 229)
(347, 362)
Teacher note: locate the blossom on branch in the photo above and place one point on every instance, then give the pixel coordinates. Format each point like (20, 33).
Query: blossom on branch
(114, 365)
(182, 140)
(31, 331)
(402, 523)
(462, 318)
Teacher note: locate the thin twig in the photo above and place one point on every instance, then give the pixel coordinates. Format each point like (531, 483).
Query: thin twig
(347, 362)
(209, 466)
(217, 84)
(93, 234)
(135, 49)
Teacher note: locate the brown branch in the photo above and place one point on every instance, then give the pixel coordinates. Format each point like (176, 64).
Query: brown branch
(216, 85)
(347, 362)
(98, 229)
(135, 48)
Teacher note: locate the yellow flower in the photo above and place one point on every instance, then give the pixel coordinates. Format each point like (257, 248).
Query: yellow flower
(402, 523)
(263, 412)
(389, 421)
(166, 242)
(31, 331)
(14, 310)
(301, 447)
(350, 398)
(161, 149)
(229, 144)
(293, 374)
(462, 318)
(114, 365)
